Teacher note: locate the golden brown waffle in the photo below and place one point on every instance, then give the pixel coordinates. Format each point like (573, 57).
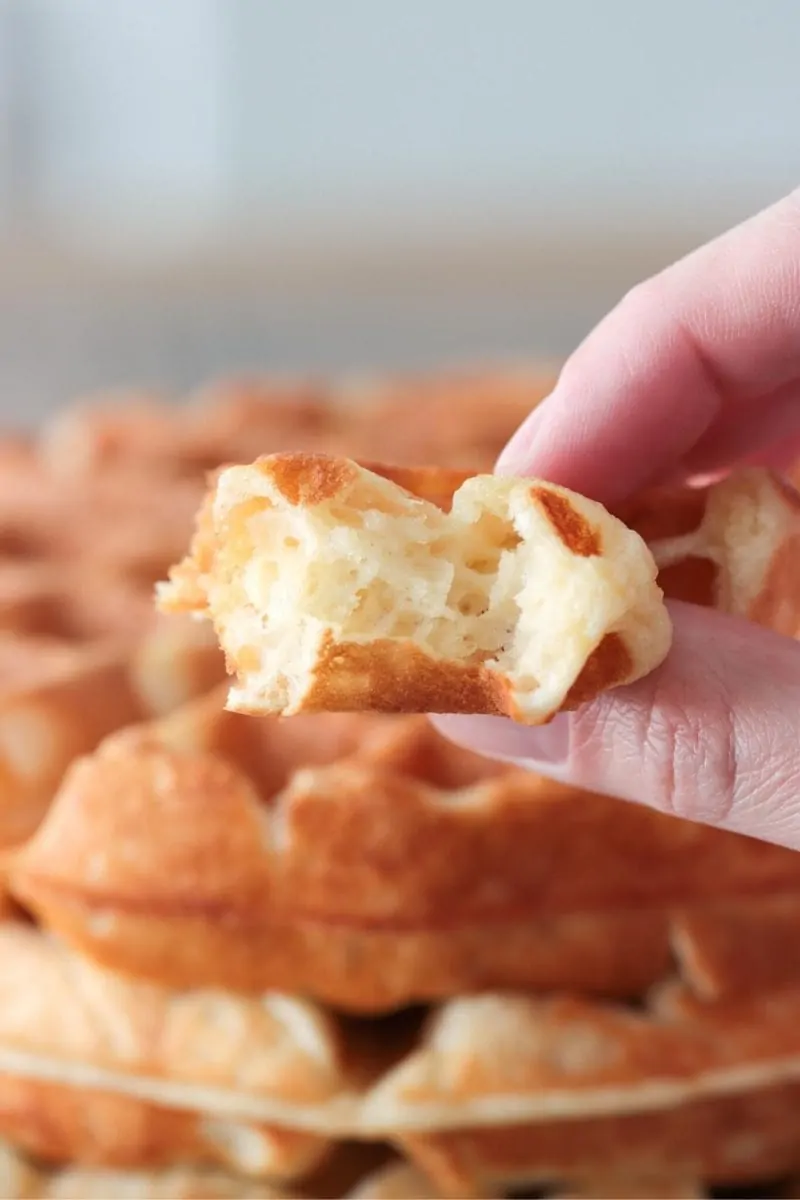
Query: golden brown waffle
(460, 418)
(334, 880)
(400, 1181)
(61, 1124)
(368, 862)
(59, 698)
(21, 1180)
(649, 1041)
(490, 1091)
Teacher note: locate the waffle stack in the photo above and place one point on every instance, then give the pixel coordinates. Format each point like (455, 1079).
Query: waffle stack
(94, 511)
(334, 955)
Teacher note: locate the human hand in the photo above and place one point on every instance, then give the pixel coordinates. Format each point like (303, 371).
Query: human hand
(696, 370)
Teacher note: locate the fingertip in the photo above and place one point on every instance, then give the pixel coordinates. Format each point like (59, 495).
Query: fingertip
(518, 455)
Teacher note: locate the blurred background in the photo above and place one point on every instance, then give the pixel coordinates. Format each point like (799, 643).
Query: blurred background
(190, 187)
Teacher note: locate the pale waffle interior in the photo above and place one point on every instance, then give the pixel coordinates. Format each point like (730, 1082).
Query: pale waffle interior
(334, 955)
(331, 587)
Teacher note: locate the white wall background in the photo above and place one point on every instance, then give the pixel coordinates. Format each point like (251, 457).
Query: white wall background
(193, 115)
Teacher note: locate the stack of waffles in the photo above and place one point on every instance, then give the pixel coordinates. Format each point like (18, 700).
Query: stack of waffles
(334, 955)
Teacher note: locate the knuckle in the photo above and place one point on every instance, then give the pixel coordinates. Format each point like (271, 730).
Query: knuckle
(639, 300)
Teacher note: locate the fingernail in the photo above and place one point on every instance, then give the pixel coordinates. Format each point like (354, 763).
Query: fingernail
(515, 458)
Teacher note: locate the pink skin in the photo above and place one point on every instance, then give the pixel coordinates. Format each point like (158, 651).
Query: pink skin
(695, 370)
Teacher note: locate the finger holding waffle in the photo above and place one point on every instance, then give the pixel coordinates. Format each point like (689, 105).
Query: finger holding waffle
(333, 587)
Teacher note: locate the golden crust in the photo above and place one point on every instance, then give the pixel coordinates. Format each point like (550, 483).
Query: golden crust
(459, 418)
(21, 1180)
(739, 947)
(730, 1140)
(331, 587)
(60, 699)
(59, 1124)
(46, 722)
(394, 1180)
(389, 868)
(480, 1076)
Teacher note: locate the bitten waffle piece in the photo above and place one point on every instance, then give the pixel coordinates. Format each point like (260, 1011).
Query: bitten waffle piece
(333, 588)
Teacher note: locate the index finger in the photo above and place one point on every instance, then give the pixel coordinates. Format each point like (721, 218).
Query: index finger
(694, 347)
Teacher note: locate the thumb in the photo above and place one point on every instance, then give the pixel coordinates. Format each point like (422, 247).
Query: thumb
(713, 735)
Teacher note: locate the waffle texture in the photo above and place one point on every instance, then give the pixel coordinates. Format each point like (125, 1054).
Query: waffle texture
(331, 587)
(334, 955)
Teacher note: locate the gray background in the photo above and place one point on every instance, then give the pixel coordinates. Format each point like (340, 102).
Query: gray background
(193, 186)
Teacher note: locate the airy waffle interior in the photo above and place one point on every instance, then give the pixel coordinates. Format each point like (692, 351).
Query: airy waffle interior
(331, 587)
(334, 955)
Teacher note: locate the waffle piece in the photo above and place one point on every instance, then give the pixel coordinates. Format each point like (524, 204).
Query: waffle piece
(730, 545)
(729, 1141)
(458, 418)
(224, 421)
(730, 949)
(58, 699)
(398, 1181)
(236, 419)
(109, 430)
(65, 1022)
(80, 650)
(59, 709)
(20, 1180)
(332, 588)
(623, 1187)
(59, 1124)
(401, 1181)
(495, 1090)
(366, 861)
(123, 522)
(734, 545)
